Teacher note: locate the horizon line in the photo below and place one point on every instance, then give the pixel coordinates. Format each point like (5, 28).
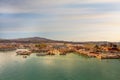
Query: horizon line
(57, 39)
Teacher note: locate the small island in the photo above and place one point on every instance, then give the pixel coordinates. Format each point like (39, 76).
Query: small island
(44, 47)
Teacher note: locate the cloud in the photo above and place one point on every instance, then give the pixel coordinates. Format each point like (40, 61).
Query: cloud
(39, 6)
(60, 18)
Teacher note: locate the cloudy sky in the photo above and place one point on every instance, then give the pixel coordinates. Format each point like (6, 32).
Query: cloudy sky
(72, 20)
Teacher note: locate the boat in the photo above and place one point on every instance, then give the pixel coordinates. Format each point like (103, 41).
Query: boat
(41, 54)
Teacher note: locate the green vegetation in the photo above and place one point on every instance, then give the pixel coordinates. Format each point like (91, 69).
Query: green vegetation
(40, 46)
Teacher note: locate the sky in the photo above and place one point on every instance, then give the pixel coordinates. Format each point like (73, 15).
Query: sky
(69, 20)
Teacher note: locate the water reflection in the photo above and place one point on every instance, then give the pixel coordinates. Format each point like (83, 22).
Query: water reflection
(13, 67)
(8, 57)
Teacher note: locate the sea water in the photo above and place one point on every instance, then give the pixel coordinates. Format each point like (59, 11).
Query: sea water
(68, 67)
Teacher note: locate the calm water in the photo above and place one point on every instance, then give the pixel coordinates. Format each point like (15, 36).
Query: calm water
(69, 67)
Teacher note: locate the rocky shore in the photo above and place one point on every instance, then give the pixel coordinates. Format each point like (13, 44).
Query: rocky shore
(100, 51)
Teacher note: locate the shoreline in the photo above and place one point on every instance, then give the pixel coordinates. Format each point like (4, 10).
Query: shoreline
(100, 51)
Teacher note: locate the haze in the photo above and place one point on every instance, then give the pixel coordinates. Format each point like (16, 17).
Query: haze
(72, 20)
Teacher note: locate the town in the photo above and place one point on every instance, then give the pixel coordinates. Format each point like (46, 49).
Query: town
(106, 50)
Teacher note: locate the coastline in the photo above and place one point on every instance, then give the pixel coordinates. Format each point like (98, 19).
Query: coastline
(101, 50)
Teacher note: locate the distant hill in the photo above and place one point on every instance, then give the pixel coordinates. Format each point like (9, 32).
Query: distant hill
(32, 39)
(41, 40)
(27, 40)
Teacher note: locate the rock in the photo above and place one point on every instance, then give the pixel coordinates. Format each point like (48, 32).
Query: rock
(24, 56)
(109, 56)
(23, 52)
(41, 54)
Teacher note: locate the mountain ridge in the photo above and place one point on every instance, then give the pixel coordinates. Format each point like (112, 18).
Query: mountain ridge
(41, 39)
